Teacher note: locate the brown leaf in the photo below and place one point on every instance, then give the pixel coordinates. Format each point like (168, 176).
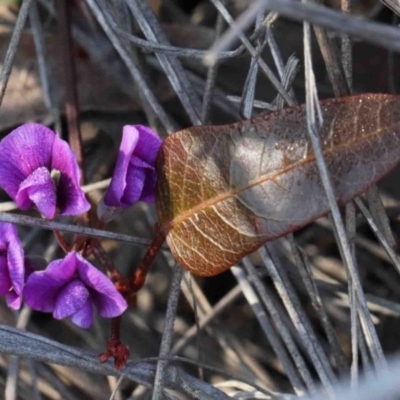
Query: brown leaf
(225, 190)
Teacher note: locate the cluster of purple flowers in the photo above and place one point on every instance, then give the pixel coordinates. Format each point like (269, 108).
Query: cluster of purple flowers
(38, 169)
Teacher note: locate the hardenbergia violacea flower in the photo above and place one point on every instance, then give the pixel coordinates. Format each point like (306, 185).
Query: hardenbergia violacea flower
(38, 168)
(70, 288)
(134, 176)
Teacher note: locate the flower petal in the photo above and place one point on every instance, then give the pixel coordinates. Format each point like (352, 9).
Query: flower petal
(148, 192)
(40, 189)
(71, 298)
(5, 280)
(109, 303)
(40, 291)
(148, 145)
(7, 233)
(71, 199)
(26, 148)
(105, 296)
(84, 317)
(16, 265)
(42, 288)
(134, 186)
(117, 186)
(12, 273)
(13, 300)
(141, 182)
(62, 271)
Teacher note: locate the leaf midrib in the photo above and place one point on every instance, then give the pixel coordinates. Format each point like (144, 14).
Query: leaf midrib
(233, 192)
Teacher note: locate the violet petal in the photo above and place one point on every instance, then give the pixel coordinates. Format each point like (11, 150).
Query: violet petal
(13, 300)
(62, 271)
(134, 186)
(148, 192)
(7, 233)
(105, 296)
(26, 148)
(84, 317)
(40, 291)
(144, 190)
(5, 280)
(71, 199)
(40, 189)
(110, 303)
(71, 298)
(148, 145)
(42, 288)
(16, 269)
(117, 186)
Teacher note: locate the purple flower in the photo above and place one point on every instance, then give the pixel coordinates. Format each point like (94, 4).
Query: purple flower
(134, 177)
(12, 273)
(70, 287)
(38, 168)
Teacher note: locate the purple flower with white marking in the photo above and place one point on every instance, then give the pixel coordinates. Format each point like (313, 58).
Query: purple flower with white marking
(38, 168)
(70, 288)
(12, 272)
(134, 178)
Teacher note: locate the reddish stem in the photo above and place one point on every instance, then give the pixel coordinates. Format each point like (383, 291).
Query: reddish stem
(129, 289)
(141, 272)
(61, 241)
(71, 96)
(114, 346)
(103, 258)
(115, 328)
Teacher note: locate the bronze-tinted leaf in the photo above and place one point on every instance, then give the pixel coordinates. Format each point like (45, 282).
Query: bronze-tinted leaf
(223, 191)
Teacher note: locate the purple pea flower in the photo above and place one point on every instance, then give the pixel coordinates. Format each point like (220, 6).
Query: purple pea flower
(70, 287)
(38, 168)
(134, 178)
(12, 273)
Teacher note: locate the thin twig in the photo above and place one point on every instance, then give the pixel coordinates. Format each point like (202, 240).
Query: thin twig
(169, 125)
(281, 328)
(373, 32)
(12, 47)
(300, 321)
(225, 41)
(264, 67)
(81, 230)
(304, 267)
(38, 38)
(312, 105)
(246, 106)
(70, 82)
(168, 331)
(172, 66)
(259, 312)
(10, 391)
(211, 76)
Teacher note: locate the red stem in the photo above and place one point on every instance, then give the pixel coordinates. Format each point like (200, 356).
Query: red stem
(61, 241)
(115, 328)
(70, 81)
(141, 272)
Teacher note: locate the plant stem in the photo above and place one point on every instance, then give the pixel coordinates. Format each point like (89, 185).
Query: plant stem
(61, 241)
(70, 81)
(141, 272)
